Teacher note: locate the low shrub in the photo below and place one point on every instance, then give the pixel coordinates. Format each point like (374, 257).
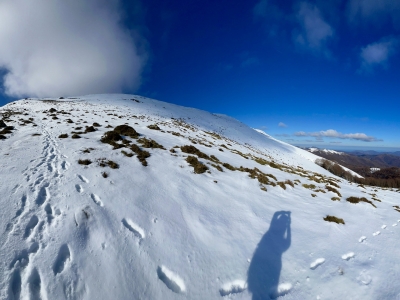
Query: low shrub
(141, 154)
(229, 167)
(84, 162)
(331, 189)
(149, 143)
(104, 174)
(63, 136)
(154, 127)
(193, 150)
(334, 219)
(289, 182)
(126, 130)
(126, 153)
(106, 162)
(90, 129)
(196, 164)
(75, 136)
(355, 200)
(309, 186)
(218, 167)
(335, 199)
(281, 184)
(111, 137)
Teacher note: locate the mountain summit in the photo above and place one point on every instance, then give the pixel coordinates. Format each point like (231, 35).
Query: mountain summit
(125, 197)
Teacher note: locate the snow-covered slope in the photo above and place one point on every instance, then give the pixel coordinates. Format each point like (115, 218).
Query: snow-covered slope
(250, 227)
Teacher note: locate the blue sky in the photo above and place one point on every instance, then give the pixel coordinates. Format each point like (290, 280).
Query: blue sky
(316, 73)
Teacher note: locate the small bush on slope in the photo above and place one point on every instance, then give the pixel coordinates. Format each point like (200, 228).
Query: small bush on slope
(141, 154)
(334, 219)
(196, 164)
(84, 162)
(355, 200)
(331, 189)
(127, 131)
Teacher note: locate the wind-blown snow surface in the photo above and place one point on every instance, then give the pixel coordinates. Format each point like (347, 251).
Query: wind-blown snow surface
(164, 232)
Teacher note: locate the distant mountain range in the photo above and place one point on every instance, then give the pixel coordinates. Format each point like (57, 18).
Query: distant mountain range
(360, 158)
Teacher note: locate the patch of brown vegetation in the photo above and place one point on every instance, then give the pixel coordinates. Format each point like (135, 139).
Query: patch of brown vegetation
(196, 164)
(154, 127)
(126, 130)
(103, 162)
(84, 162)
(334, 219)
(149, 143)
(331, 189)
(141, 154)
(355, 200)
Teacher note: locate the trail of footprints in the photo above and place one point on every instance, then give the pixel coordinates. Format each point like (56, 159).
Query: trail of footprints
(38, 177)
(40, 185)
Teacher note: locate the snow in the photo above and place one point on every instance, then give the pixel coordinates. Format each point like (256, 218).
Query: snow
(163, 232)
(329, 151)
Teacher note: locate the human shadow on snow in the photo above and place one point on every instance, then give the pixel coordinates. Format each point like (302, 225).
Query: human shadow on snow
(266, 264)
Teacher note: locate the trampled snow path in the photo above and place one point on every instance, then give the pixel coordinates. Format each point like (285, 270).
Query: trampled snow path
(164, 232)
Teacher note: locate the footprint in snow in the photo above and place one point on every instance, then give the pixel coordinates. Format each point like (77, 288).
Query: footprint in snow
(136, 229)
(316, 263)
(79, 188)
(65, 165)
(233, 287)
(64, 255)
(84, 179)
(383, 226)
(395, 224)
(376, 233)
(96, 199)
(347, 256)
(362, 239)
(171, 280)
(31, 225)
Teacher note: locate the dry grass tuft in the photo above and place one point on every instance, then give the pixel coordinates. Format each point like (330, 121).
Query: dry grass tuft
(193, 150)
(84, 162)
(355, 200)
(196, 164)
(154, 127)
(141, 154)
(331, 189)
(149, 143)
(309, 186)
(334, 219)
(106, 162)
(281, 184)
(126, 130)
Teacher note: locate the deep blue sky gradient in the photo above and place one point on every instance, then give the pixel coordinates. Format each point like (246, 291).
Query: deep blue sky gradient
(223, 57)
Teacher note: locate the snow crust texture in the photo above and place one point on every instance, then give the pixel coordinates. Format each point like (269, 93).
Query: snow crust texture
(125, 197)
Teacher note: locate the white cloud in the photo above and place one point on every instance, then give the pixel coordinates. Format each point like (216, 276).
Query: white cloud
(334, 134)
(314, 30)
(281, 124)
(377, 53)
(377, 12)
(61, 48)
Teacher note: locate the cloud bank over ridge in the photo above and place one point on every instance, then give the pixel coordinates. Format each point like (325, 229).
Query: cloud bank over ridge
(64, 48)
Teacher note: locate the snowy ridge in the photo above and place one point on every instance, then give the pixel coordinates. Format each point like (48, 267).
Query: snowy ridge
(325, 150)
(192, 205)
